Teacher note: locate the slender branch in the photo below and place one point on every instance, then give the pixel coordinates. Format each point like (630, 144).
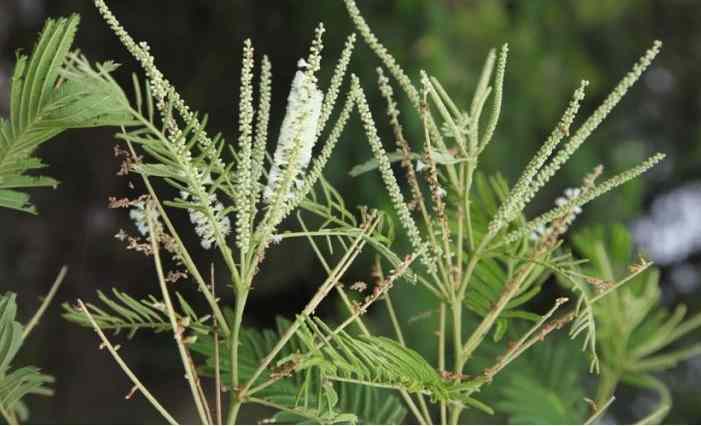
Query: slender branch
(176, 327)
(327, 269)
(200, 389)
(217, 376)
(510, 289)
(45, 303)
(184, 254)
(9, 416)
(241, 298)
(441, 356)
(280, 407)
(456, 310)
(384, 286)
(638, 270)
(393, 318)
(523, 343)
(437, 198)
(426, 415)
(319, 296)
(135, 380)
(217, 372)
(599, 411)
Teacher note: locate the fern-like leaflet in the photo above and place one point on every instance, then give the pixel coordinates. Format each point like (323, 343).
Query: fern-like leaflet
(125, 313)
(43, 105)
(297, 393)
(17, 383)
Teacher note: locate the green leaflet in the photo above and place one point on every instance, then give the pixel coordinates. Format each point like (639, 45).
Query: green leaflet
(633, 331)
(493, 273)
(123, 312)
(544, 386)
(43, 104)
(10, 331)
(379, 361)
(16, 384)
(300, 392)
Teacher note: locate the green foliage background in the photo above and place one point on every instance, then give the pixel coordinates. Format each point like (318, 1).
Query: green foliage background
(553, 45)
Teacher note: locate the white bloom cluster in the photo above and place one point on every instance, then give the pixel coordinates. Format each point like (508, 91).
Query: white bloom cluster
(538, 232)
(301, 120)
(569, 195)
(138, 215)
(203, 226)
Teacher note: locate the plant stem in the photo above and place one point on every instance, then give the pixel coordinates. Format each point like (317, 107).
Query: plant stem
(45, 303)
(599, 411)
(182, 251)
(322, 292)
(510, 289)
(441, 356)
(327, 269)
(279, 407)
(10, 418)
(125, 368)
(217, 376)
(395, 321)
(607, 385)
(456, 310)
(400, 336)
(177, 328)
(241, 298)
(466, 195)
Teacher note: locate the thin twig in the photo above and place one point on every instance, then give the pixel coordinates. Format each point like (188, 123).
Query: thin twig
(217, 373)
(441, 356)
(45, 303)
(319, 296)
(135, 380)
(425, 417)
(599, 411)
(177, 328)
(9, 416)
(182, 252)
(327, 269)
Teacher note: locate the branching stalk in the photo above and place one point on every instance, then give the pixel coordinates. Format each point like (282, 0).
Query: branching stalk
(45, 303)
(135, 380)
(176, 327)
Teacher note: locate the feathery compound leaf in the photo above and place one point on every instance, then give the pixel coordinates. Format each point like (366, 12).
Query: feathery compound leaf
(298, 393)
(15, 385)
(20, 383)
(43, 103)
(632, 329)
(544, 386)
(493, 272)
(377, 361)
(123, 312)
(10, 331)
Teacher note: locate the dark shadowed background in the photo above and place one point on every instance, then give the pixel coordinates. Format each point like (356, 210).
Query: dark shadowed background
(197, 44)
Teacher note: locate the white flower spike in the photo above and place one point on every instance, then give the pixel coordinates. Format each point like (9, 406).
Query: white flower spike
(301, 119)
